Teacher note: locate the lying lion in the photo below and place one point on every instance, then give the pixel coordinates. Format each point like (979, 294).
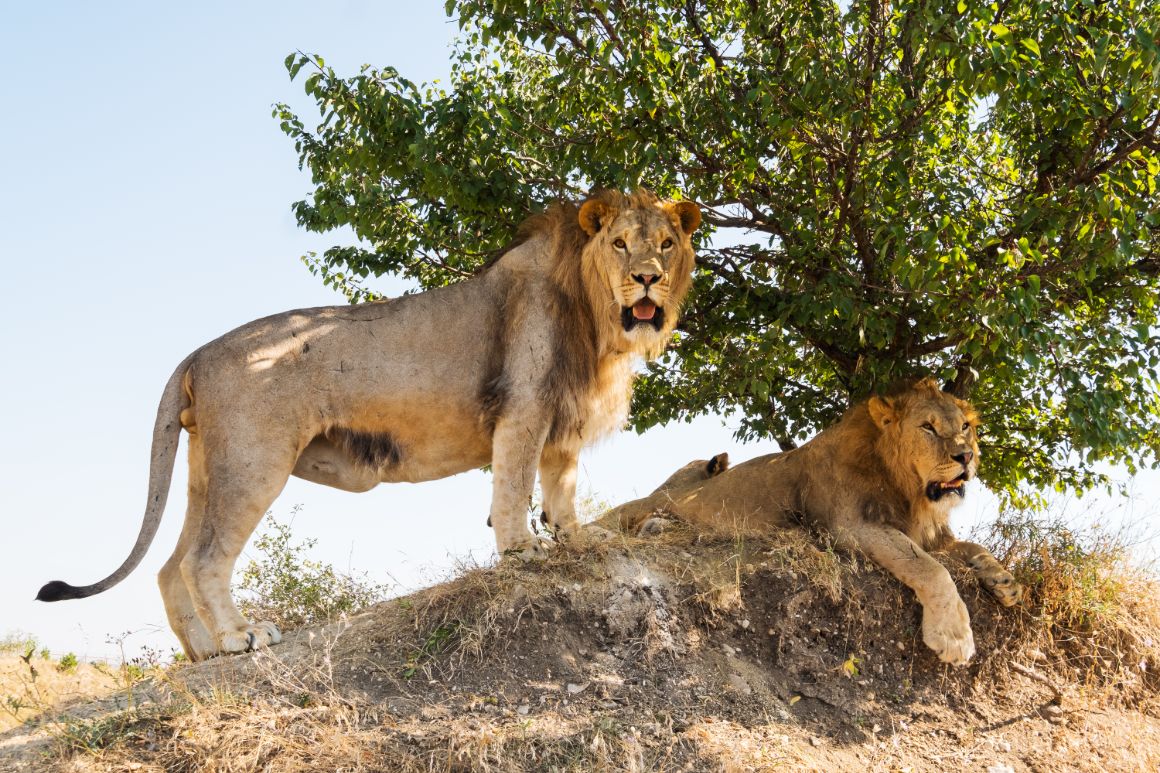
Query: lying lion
(883, 479)
(517, 367)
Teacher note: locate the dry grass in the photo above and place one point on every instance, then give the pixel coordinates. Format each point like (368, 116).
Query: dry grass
(679, 671)
(1093, 609)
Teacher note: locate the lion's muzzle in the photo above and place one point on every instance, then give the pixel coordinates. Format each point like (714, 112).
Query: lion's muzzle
(643, 312)
(937, 489)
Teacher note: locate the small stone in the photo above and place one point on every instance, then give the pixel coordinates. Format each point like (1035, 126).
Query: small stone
(523, 709)
(745, 624)
(815, 741)
(575, 689)
(738, 683)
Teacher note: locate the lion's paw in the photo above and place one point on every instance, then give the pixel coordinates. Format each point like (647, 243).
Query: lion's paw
(588, 535)
(1000, 583)
(252, 637)
(531, 549)
(653, 527)
(946, 629)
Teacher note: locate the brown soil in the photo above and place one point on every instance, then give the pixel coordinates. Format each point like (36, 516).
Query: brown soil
(677, 654)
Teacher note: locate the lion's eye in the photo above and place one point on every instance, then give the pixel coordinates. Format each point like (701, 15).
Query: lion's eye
(619, 244)
(928, 427)
(966, 426)
(666, 244)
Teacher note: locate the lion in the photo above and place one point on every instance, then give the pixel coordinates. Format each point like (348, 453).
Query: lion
(645, 516)
(518, 367)
(883, 480)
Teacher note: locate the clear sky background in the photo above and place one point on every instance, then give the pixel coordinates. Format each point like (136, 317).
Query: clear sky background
(145, 196)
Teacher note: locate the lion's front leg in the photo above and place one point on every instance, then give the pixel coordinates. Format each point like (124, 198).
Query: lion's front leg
(558, 484)
(946, 626)
(991, 574)
(516, 447)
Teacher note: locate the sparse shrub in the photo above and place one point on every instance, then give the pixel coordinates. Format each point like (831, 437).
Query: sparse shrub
(1098, 607)
(436, 642)
(67, 663)
(20, 642)
(1078, 577)
(289, 589)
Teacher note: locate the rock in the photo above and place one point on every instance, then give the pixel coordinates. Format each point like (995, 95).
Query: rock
(737, 682)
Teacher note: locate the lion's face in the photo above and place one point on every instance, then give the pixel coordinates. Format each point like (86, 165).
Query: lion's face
(934, 433)
(644, 256)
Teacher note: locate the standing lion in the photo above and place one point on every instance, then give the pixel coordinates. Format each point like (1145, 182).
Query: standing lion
(517, 367)
(883, 480)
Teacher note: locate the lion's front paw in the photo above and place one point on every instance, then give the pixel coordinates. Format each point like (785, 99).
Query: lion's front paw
(1000, 583)
(946, 629)
(252, 637)
(530, 549)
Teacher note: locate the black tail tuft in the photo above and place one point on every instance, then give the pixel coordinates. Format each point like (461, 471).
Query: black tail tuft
(58, 590)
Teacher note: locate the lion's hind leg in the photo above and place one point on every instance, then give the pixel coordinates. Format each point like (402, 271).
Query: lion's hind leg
(240, 486)
(991, 574)
(195, 638)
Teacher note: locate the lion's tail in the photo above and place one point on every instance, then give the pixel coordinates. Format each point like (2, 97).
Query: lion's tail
(166, 433)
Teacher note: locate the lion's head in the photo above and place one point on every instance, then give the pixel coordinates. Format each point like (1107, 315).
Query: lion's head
(696, 471)
(928, 439)
(637, 263)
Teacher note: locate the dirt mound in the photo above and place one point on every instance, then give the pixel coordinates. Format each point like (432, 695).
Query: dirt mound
(675, 654)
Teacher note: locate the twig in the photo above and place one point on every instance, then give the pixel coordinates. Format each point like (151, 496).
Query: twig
(1031, 673)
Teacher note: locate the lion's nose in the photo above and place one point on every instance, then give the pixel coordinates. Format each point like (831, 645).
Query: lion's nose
(646, 279)
(964, 458)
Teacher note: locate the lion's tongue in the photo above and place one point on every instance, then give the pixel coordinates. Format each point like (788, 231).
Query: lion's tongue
(644, 309)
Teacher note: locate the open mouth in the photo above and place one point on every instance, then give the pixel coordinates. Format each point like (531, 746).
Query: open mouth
(937, 489)
(643, 312)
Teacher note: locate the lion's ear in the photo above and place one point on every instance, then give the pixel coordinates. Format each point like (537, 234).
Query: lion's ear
(594, 214)
(968, 410)
(882, 411)
(686, 213)
(718, 464)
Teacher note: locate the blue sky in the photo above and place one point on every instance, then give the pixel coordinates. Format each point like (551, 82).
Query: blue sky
(145, 196)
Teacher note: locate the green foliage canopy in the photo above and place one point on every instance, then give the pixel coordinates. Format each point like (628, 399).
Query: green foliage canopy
(946, 187)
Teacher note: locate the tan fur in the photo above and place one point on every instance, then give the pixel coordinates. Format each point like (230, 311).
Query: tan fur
(865, 480)
(517, 367)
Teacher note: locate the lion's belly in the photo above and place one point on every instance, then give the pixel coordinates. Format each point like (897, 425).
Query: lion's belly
(434, 436)
(439, 458)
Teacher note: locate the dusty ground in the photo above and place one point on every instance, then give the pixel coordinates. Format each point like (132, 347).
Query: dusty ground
(679, 654)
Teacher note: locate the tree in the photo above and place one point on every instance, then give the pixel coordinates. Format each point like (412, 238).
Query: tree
(890, 189)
